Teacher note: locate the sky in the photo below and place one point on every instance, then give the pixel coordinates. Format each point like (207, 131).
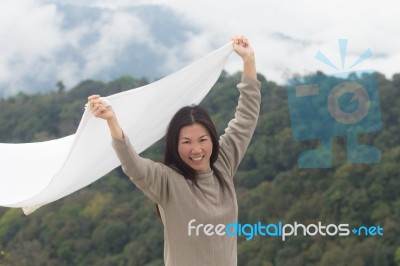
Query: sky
(286, 35)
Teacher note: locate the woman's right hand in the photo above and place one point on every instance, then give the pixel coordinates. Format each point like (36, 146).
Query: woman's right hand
(100, 108)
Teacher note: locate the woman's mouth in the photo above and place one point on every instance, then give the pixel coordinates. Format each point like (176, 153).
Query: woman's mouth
(196, 158)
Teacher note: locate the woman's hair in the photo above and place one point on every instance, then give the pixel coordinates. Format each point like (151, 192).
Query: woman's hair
(187, 116)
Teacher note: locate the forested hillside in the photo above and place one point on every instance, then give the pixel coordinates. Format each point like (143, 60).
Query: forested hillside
(112, 223)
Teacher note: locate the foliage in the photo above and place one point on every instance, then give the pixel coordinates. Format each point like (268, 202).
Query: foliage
(112, 223)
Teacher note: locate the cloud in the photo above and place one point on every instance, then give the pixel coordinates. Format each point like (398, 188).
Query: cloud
(24, 47)
(115, 30)
(287, 34)
(104, 4)
(46, 41)
(51, 40)
(286, 38)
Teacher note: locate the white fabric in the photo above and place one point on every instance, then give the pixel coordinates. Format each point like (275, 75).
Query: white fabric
(34, 174)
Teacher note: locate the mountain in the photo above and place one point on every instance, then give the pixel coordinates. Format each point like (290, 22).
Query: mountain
(112, 223)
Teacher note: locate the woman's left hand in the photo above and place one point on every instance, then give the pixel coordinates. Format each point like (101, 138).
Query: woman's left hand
(242, 47)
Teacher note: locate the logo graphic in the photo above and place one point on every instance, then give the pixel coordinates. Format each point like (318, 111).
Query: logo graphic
(342, 104)
(281, 230)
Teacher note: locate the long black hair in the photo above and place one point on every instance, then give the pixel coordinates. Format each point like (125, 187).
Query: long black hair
(187, 116)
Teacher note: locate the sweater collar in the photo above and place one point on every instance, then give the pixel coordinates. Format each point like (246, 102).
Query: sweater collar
(204, 173)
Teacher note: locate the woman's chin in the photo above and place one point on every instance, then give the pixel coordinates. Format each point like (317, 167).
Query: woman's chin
(200, 167)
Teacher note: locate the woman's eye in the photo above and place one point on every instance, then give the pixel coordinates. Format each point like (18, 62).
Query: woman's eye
(202, 140)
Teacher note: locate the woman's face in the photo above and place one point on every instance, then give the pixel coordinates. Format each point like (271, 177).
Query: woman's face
(195, 146)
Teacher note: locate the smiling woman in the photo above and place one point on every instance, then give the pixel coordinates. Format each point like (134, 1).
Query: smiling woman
(192, 143)
(195, 161)
(195, 147)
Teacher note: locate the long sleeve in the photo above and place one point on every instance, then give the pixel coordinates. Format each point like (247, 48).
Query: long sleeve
(234, 143)
(181, 203)
(148, 176)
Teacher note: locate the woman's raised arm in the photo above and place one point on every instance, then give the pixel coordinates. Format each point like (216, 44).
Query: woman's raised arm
(243, 48)
(103, 110)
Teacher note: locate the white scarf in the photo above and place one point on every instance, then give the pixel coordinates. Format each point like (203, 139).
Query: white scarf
(34, 174)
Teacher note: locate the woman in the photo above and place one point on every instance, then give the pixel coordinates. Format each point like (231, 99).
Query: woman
(194, 187)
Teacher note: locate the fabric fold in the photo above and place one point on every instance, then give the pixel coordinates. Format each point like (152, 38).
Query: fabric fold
(35, 174)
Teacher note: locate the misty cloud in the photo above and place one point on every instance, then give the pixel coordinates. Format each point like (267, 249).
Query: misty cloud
(44, 41)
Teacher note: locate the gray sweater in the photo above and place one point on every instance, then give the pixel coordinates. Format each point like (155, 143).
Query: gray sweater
(180, 201)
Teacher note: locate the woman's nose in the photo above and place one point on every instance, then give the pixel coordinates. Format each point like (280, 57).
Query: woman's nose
(196, 148)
